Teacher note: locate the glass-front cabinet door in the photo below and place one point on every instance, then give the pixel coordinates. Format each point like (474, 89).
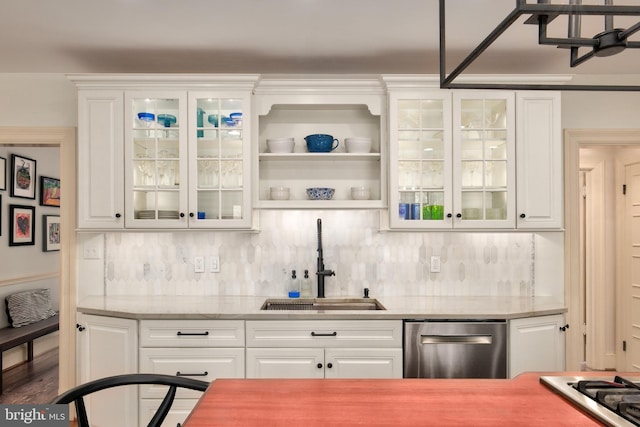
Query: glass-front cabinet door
(484, 160)
(421, 163)
(219, 162)
(155, 159)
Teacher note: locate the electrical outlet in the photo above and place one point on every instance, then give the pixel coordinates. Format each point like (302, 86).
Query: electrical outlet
(91, 251)
(198, 264)
(435, 264)
(214, 264)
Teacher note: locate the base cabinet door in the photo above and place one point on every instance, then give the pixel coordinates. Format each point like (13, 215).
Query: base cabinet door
(285, 363)
(108, 346)
(177, 414)
(536, 344)
(363, 363)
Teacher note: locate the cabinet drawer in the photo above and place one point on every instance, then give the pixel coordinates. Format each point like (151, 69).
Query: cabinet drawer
(192, 333)
(324, 333)
(177, 415)
(204, 364)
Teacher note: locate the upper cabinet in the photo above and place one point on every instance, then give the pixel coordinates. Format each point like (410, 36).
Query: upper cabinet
(473, 159)
(100, 159)
(484, 163)
(342, 107)
(539, 165)
(420, 155)
(197, 151)
(169, 151)
(155, 156)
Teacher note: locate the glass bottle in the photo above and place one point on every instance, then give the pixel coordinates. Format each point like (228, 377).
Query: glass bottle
(307, 286)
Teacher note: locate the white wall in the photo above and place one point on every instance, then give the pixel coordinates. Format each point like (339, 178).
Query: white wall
(608, 110)
(37, 100)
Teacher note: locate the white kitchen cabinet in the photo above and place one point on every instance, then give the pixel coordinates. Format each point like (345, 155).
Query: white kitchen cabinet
(190, 166)
(108, 346)
(165, 151)
(285, 363)
(100, 159)
(452, 158)
(484, 164)
(341, 107)
(536, 344)
(324, 349)
(539, 160)
(156, 159)
(363, 363)
(420, 157)
(324, 363)
(199, 349)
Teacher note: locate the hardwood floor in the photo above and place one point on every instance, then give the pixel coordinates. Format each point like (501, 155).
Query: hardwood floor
(35, 382)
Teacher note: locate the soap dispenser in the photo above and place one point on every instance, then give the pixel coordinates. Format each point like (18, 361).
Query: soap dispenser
(294, 286)
(307, 286)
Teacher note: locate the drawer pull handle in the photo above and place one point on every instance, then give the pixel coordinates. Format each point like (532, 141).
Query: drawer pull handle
(315, 334)
(180, 374)
(186, 334)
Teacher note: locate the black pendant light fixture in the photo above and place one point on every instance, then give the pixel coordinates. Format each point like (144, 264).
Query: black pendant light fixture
(608, 42)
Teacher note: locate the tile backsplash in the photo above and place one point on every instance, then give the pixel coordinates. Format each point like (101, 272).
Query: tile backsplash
(260, 263)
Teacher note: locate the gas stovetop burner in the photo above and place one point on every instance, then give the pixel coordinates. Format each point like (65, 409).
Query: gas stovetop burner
(612, 400)
(621, 396)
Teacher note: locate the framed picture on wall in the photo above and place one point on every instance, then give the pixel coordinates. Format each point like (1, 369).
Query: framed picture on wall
(50, 233)
(23, 177)
(3, 173)
(49, 191)
(22, 225)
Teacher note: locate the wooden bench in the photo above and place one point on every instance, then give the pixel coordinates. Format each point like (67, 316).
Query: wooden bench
(12, 337)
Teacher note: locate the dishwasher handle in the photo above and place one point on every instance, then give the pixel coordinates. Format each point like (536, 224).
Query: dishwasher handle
(456, 339)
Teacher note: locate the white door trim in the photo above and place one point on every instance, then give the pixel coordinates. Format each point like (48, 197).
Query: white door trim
(573, 140)
(65, 138)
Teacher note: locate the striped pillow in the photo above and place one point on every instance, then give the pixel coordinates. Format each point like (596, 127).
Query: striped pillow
(28, 307)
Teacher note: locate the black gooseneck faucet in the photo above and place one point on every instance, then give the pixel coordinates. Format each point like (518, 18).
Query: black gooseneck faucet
(321, 272)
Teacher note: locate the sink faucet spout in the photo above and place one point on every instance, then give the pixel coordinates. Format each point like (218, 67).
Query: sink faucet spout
(321, 272)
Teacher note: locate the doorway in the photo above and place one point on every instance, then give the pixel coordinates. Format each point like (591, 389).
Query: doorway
(65, 140)
(594, 291)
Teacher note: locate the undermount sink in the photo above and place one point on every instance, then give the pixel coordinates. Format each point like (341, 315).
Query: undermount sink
(322, 304)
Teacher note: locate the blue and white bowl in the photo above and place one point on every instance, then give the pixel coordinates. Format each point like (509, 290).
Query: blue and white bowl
(320, 193)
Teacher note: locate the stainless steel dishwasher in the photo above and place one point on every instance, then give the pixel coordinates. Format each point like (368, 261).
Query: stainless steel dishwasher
(455, 349)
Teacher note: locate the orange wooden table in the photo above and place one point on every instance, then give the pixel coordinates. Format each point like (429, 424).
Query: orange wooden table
(522, 401)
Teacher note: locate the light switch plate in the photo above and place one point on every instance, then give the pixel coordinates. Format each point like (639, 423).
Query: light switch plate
(198, 264)
(214, 264)
(435, 264)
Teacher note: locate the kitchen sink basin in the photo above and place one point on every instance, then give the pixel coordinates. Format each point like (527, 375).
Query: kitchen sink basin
(323, 304)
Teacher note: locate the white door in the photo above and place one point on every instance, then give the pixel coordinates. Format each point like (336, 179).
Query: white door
(631, 288)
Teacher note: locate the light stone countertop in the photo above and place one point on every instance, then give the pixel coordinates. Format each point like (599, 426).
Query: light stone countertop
(248, 308)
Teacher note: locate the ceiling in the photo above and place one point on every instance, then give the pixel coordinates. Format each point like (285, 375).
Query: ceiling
(276, 36)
